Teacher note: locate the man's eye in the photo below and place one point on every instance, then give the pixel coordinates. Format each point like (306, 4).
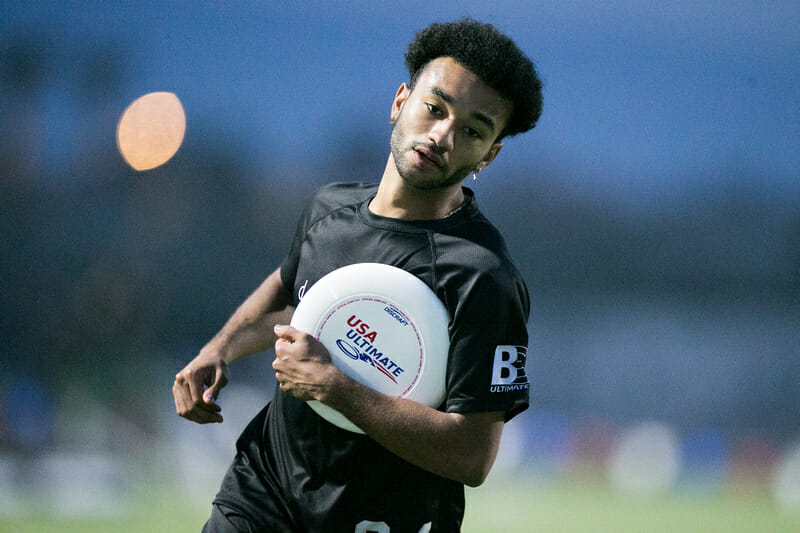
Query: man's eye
(475, 134)
(434, 109)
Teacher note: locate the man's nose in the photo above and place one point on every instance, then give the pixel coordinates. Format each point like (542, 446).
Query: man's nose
(442, 134)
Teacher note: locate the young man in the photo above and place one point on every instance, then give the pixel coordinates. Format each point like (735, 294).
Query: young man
(470, 87)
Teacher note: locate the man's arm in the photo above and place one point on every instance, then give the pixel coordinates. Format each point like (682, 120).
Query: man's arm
(248, 331)
(453, 445)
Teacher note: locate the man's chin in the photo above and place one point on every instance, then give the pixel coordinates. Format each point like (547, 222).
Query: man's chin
(425, 183)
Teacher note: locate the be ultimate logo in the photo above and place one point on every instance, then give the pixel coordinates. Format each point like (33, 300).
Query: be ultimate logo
(508, 371)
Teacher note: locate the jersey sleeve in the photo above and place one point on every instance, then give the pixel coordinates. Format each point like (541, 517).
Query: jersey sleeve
(316, 207)
(292, 260)
(488, 348)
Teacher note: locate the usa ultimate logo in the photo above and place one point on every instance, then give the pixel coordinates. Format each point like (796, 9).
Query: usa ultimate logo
(508, 371)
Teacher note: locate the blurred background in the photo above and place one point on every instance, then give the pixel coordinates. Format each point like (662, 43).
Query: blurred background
(654, 212)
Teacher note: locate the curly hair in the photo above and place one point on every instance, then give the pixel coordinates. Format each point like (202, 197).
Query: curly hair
(489, 54)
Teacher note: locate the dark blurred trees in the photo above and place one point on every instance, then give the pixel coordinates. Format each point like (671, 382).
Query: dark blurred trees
(105, 270)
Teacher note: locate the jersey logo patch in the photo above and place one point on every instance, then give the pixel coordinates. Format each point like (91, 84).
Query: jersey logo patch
(508, 370)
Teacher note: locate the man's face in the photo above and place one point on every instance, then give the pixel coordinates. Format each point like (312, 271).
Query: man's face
(446, 127)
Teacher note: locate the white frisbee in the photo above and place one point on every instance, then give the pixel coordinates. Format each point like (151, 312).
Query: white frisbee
(384, 328)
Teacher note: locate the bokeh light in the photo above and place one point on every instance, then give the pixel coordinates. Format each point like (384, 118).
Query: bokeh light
(646, 459)
(151, 130)
(786, 484)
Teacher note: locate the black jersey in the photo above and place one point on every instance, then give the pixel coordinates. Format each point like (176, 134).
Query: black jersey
(326, 479)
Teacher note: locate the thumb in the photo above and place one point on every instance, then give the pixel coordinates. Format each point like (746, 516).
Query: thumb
(220, 380)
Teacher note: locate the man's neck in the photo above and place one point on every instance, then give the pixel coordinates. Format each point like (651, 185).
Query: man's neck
(395, 199)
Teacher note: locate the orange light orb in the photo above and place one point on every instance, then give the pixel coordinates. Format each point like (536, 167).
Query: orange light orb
(151, 130)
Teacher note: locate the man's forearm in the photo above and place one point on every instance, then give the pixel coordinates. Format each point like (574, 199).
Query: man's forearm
(250, 329)
(453, 445)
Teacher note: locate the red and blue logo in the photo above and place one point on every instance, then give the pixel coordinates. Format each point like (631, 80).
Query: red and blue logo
(360, 346)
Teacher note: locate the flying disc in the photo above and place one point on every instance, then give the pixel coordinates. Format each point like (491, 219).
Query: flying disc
(384, 328)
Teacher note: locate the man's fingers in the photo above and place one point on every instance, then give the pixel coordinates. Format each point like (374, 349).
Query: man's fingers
(210, 396)
(198, 414)
(189, 402)
(183, 396)
(196, 386)
(202, 416)
(178, 396)
(288, 333)
(292, 342)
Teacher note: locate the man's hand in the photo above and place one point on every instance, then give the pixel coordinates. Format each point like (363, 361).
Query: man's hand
(192, 400)
(303, 366)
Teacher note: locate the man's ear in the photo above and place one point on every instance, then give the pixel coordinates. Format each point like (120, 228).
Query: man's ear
(489, 157)
(399, 100)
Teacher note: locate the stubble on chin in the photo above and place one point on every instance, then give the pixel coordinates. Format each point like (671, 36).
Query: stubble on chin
(416, 178)
(427, 180)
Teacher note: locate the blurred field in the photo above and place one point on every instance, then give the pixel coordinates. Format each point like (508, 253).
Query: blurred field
(498, 506)
(589, 507)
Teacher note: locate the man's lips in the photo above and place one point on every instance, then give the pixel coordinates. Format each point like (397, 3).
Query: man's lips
(428, 158)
